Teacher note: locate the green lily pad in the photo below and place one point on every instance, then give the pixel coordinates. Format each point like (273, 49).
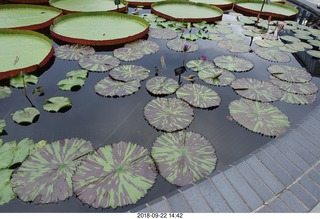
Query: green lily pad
(276, 43)
(73, 52)
(190, 36)
(272, 55)
(163, 34)
(315, 43)
(234, 46)
(287, 49)
(215, 37)
(115, 175)
(250, 33)
(45, 176)
(303, 37)
(263, 43)
(93, 28)
(198, 64)
(295, 46)
(18, 51)
(224, 29)
(162, 85)
(296, 88)
(178, 45)
(202, 35)
(70, 83)
(254, 89)
(298, 99)
(183, 157)
(168, 114)
(6, 192)
(216, 76)
(233, 36)
(98, 63)
(314, 32)
(57, 104)
(127, 73)
(198, 95)
(289, 73)
(147, 47)
(109, 87)
(2, 125)
(262, 118)
(26, 115)
(5, 92)
(31, 17)
(314, 53)
(78, 73)
(17, 81)
(290, 39)
(233, 63)
(128, 54)
(305, 45)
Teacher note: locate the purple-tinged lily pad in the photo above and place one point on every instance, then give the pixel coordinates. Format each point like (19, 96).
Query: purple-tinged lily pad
(289, 73)
(163, 34)
(296, 88)
(109, 87)
(179, 44)
(234, 46)
(216, 76)
(45, 176)
(162, 85)
(262, 118)
(273, 55)
(98, 63)
(198, 64)
(57, 104)
(298, 99)
(115, 175)
(198, 95)
(147, 47)
(183, 157)
(254, 89)
(128, 54)
(233, 63)
(127, 73)
(26, 116)
(168, 114)
(73, 52)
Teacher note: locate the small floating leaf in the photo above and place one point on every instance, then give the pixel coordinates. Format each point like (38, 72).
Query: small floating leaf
(292, 98)
(290, 38)
(147, 47)
(109, 87)
(115, 175)
(78, 73)
(56, 104)
(198, 64)
(168, 114)
(17, 81)
(45, 176)
(183, 157)
(259, 117)
(128, 54)
(289, 73)
(234, 46)
(26, 115)
(2, 125)
(163, 34)
(162, 85)
(297, 88)
(70, 83)
(198, 95)
(216, 76)
(5, 92)
(314, 53)
(6, 192)
(178, 45)
(73, 52)
(273, 55)
(127, 73)
(233, 63)
(98, 63)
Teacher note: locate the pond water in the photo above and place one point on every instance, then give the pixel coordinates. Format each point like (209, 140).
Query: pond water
(102, 120)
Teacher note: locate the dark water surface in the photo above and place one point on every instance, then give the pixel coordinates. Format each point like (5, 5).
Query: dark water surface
(102, 120)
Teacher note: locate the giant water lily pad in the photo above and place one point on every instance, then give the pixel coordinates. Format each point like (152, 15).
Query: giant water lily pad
(223, 4)
(109, 87)
(254, 89)
(262, 118)
(162, 85)
(45, 176)
(5, 92)
(163, 34)
(277, 11)
(93, 28)
(86, 6)
(73, 52)
(31, 17)
(197, 12)
(23, 50)
(298, 99)
(26, 115)
(57, 104)
(70, 83)
(147, 47)
(129, 72)
(178, 45)
(296, 88)
(234, 46)
(233, 63)
(98, 63)
(198, 95)
(6, 192)
(272, 55)
(290, 73)
(128, 54)
(168, 114)
(115, 175)
(216, 76)
(183, 157)
(199, 64)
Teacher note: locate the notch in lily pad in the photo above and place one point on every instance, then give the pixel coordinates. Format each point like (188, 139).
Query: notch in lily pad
(26, 116)
(2, 125)
(57, 104)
